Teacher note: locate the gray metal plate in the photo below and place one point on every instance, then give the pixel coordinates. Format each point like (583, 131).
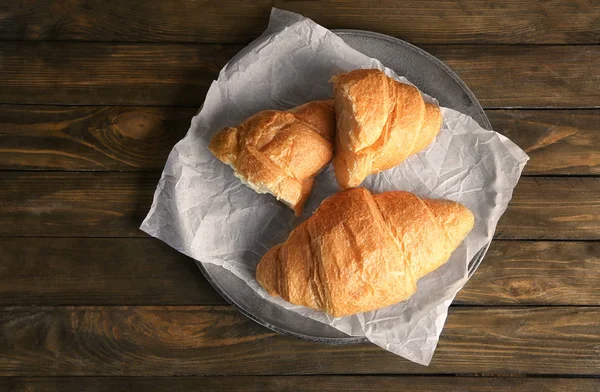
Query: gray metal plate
(432, 77)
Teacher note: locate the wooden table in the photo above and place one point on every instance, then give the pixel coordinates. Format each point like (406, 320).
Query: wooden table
(93, 96)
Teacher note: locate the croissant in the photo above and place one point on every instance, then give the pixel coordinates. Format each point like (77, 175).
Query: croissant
(380, 122)
(280, 152)
(360, 252)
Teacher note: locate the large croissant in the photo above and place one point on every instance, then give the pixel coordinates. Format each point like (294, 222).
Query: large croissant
(380, 122)
(360, 252)
(280, 152)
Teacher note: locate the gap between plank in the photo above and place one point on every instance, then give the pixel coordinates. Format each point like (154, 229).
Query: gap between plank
(142, 105)
(341, 375)
(154, 171)
(46, 41)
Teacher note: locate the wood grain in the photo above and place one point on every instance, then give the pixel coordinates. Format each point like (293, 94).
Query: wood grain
(104, 74)
(557, 141)
(89, 137)
(133, 138)
(99, 271)
(100, 204)
(553, 208)
(144, 271)
(75, 204)
(166, 341)
(527, 76)
(442, 21)
(296, 383)
(76, 73)
(536, 273)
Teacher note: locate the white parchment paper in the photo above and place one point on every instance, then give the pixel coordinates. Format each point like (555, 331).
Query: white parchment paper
(202, 210)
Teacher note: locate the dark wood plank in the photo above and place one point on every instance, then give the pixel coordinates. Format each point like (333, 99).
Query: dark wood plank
(89, 137)
(144, 271)
(140, 138)
(99, 271)
(161, 74)
(553, 208)
(527, 76)
(99, 204)
(442, 21)
(75, 204)
(557, 141)
(297, 383)
(104, 74)
(536, 273)
(165, 341)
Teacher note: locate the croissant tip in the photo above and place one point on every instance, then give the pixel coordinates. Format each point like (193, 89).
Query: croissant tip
(456, 218)
(266, 271)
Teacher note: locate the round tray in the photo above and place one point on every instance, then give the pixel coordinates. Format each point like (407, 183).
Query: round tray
(432, 77)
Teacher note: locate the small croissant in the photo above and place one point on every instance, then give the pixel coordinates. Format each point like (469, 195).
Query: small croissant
(361, 252)
(380, 123)
(280, 152)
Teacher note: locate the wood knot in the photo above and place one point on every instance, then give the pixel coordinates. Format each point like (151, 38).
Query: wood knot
(139, 125)
(524, 287)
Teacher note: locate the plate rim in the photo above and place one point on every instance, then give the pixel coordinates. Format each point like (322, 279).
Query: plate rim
(473, 264)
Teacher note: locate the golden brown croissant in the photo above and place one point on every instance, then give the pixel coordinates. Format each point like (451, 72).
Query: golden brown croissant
(280, 152)
(380, 122)
(360, 252)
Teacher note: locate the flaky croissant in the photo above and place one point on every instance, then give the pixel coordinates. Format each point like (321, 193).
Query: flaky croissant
(380, 122)
(280, 152)
(360, 252)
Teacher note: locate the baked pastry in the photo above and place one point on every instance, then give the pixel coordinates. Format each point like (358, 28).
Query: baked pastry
(380, 122)
(360, 252)
(280, 152)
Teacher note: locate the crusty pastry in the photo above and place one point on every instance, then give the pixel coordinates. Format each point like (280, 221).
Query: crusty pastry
(280, 152)
(360, 252)
(380, 122)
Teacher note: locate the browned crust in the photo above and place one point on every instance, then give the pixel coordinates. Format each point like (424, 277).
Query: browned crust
(380, 122)
(280, 152)
(360, 252)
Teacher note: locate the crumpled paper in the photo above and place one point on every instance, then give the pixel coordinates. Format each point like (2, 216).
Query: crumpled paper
(202, 210)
